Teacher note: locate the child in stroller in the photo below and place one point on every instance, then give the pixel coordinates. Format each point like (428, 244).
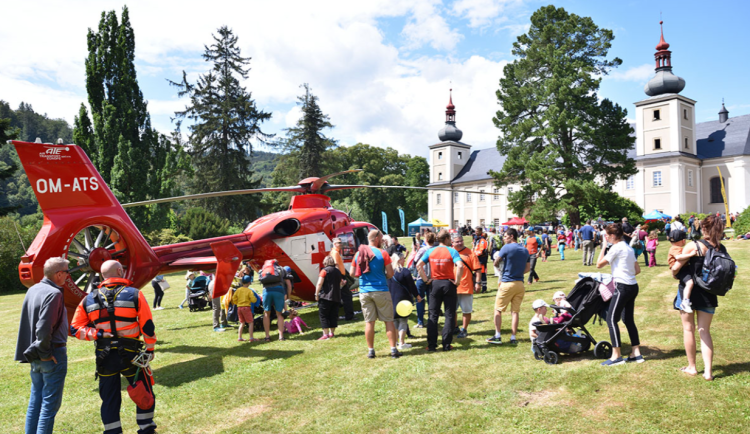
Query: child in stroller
(585, 301)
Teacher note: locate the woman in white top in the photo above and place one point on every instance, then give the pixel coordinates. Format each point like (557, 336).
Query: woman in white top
(624, 269)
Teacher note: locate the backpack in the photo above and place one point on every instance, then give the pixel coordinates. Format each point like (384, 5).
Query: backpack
(271, 273)
(718, 272)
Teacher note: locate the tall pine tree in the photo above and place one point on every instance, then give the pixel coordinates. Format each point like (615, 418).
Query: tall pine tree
(224, 121)
(122, 144)
(306, 138)
(559, 140)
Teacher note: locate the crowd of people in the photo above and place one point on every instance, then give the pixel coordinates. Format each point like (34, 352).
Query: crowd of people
(439, 271)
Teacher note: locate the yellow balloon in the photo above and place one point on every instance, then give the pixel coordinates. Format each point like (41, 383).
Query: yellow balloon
(404, 308)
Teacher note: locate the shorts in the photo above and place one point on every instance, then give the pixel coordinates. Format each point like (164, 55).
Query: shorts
(273, 298)
(245, 314)
(376, 305)
(678, 300)
(402, 324)
(466, 303)
(509, 293)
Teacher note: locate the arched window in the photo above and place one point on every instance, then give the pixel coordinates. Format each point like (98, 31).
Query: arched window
(715, 185)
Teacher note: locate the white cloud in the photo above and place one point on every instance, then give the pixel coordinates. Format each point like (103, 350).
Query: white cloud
(639, 73)
(374, 92)
(427, 26)
(482, 13)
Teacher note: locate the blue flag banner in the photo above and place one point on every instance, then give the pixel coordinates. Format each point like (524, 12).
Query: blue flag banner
(403, 220)
(385, 223)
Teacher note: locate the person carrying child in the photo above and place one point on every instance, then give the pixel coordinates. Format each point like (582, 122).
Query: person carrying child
(328, 296)
(295, 323)
(244, 297)
(651, 243)
(678, 240)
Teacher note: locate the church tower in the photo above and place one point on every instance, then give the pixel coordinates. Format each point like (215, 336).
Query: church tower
(447, 158)
(665, 132)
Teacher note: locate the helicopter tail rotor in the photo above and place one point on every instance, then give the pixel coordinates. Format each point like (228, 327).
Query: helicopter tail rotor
(83, 222)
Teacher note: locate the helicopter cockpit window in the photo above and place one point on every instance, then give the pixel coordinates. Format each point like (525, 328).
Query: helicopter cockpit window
(361, 234)
(348, 246)
(287, 227)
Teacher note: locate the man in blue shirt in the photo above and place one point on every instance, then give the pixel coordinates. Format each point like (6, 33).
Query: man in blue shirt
(373, 290)
(587, 237)
(511, 290)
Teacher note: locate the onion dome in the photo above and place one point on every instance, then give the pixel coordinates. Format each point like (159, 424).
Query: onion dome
(664, 81)
(450, 133)
(723, 113)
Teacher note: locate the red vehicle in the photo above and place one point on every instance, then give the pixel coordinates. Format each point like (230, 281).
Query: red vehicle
(84, 222)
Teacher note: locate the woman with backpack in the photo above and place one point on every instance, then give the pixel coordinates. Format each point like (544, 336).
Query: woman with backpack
(704, 304)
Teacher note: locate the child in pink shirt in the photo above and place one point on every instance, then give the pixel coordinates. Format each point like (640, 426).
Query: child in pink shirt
(295, 323)
(651, 243)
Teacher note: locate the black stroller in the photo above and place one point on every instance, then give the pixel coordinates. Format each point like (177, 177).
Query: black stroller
(587, 302)
(199, 295)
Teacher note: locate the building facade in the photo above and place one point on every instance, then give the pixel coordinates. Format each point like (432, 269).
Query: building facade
(678, 160)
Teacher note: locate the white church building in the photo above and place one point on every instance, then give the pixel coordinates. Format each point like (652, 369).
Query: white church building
(678, 160)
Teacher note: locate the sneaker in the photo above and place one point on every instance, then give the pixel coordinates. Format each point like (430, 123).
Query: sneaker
(637, 359)
(686, 306)
(448, 347)
(219, 329)
(494, 340)
(396, 354)
(371, 355)
(180, 306)
(611, 362)
(419, 326)
(463, 334)
(514, 341)
(324, 337)
(404, 346)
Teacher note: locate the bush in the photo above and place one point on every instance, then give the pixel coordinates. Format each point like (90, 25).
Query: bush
(164, 237)
(698, 216)
(198, 224)
(655, 225)
(11, 252)
(742, 224)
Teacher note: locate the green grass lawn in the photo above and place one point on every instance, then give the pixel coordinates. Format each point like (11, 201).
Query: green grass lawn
(208, 382)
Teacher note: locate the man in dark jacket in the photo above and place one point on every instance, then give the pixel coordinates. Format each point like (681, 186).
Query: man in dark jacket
(42, 337)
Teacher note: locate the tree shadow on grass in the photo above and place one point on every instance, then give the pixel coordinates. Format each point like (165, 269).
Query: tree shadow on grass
(212, 363)
(732, 369)
(196, 326)
(658, 354)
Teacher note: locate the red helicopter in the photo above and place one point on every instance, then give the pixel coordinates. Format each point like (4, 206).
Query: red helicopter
(84, 222)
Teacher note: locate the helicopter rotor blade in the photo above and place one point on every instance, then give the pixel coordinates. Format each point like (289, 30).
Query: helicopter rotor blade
(291, 189)
(330, 187)
(318, 184)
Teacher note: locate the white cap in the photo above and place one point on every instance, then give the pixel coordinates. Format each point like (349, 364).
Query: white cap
(538, 303)
(558, 294)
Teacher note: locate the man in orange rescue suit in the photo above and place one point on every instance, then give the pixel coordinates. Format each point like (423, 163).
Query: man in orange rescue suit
(481, 249)
(115, 315)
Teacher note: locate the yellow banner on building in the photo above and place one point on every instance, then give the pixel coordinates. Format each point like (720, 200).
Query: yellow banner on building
(724, 195)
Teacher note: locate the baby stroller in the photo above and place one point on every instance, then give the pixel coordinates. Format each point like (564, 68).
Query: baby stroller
(587, 302)
(199, 297)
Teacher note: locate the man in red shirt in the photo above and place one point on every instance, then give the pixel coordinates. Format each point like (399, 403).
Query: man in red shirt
(470, 282)
(444, 277)
(481, 250)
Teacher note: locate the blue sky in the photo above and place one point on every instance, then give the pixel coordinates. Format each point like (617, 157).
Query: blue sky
(382, 69)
